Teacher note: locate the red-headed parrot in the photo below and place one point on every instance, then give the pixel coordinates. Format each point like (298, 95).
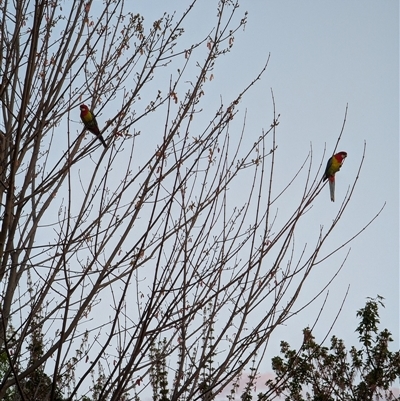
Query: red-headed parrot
(89, 119)
(333, 166)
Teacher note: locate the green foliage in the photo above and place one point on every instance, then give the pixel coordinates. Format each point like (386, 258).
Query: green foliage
(37, 385)
(158, 371)
(4, 367)
(319, 373)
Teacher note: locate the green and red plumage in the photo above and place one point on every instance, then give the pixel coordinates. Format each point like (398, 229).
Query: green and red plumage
(89, 119)
(333, 166)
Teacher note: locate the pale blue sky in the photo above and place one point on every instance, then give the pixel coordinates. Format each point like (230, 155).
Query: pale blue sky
(324, 55)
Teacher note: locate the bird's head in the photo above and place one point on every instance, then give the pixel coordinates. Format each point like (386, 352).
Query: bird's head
(340, 156)
(83, 108)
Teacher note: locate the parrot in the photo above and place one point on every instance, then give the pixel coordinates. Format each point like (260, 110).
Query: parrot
(333, 166)
(89, 119)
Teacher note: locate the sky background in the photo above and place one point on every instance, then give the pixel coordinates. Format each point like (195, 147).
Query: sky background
(324, 56)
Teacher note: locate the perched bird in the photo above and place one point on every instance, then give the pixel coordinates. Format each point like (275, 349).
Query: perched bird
(89, 119)
(333, 166)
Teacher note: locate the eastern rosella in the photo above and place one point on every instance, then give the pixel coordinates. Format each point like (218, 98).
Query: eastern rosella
(333, 166)
(89, 119)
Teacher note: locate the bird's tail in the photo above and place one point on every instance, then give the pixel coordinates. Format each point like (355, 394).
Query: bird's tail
(332, 189)
(102, 140)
